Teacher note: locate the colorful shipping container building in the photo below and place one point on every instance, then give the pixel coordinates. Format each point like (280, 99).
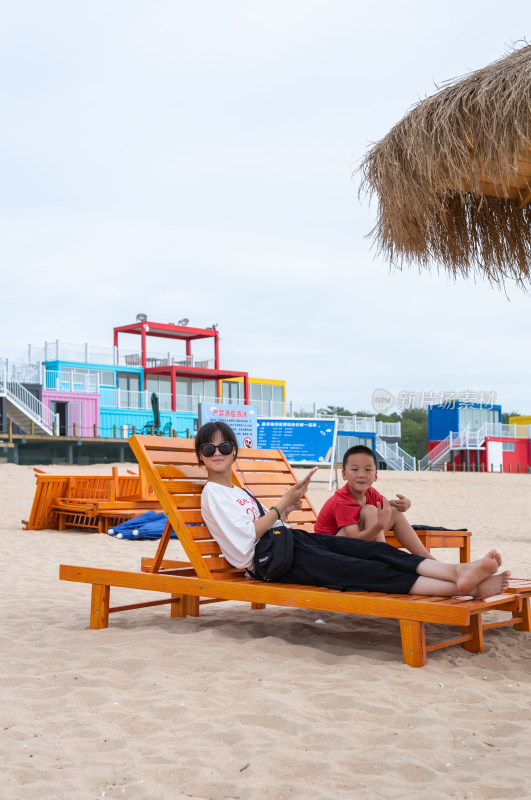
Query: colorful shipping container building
(472, 437)
(85, 391)
(78, 393)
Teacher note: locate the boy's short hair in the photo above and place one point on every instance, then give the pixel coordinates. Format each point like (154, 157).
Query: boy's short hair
(359, 448)
(206, 433)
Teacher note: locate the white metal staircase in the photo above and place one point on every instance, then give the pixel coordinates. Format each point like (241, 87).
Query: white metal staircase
(394, 456)
(467, 440)
(26, 410)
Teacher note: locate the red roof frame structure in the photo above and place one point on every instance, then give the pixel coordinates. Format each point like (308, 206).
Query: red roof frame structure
(145, 328)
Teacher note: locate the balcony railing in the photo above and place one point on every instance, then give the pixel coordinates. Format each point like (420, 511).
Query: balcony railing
(82, 353)
(121, 398)
(369, 425)
(112, 356)
(70, 381)
(507, 431)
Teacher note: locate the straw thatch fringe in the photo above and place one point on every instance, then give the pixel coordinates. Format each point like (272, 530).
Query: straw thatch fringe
(430, 171)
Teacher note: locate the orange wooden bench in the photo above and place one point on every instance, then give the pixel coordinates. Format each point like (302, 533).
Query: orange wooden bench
(206, 576)
(78, 508)
(88, 501)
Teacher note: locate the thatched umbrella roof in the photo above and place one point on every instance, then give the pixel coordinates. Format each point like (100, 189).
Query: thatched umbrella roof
(453, 177)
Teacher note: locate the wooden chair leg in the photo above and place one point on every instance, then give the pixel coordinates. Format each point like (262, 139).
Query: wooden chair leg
(161, 549)
(192, 605)
(464, 551)
(180, 608)
(99, 607)
(525, 614)
(413, 642)
(475, 645)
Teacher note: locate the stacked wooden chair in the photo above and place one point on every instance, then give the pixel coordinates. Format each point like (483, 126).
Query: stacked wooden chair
(206, 577)
(91, 502)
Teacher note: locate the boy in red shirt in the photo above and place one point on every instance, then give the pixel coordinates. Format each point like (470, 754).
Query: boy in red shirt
(360, 512)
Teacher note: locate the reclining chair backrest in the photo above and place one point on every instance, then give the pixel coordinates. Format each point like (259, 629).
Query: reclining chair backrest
(170, 466)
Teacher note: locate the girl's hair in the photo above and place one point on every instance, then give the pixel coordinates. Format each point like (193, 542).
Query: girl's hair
(206, 433)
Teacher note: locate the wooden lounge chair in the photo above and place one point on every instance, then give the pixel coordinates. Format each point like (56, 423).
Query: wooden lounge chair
(177, 480)
(93, 502)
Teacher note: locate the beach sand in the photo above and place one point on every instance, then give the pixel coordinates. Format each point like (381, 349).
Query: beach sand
(258, 705)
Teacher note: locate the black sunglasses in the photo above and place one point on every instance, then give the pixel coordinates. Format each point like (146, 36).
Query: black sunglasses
(208, 450)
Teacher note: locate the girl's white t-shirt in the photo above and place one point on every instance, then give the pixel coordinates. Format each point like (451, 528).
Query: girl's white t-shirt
(229, 514)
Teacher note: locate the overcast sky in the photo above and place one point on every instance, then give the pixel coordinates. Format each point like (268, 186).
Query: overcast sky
(195, 159)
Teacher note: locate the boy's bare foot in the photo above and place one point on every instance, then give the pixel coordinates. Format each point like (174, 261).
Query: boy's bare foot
(496, 584)
(469, 576)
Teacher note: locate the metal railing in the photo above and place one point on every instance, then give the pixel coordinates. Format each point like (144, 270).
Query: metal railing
(508, 431)
(70, 381)
(466, 439)
(127, 398)
(369, 425)
(169, 360)
(83, 353)
(122, 398)
(440, 450)
(26, 373)
(394, 456)
(30, 405)
(424, 462)
(112, 356)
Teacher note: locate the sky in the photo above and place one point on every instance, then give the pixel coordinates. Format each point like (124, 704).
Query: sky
(197, 159)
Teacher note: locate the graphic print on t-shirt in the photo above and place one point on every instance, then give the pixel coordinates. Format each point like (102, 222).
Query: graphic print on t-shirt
(249, 506)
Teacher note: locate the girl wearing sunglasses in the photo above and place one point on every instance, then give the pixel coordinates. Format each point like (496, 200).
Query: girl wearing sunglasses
(336, 562)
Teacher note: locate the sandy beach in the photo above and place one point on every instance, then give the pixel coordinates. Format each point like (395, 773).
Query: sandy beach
(257, 705)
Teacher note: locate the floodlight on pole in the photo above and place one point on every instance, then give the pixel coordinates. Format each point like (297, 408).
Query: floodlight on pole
(183, 321)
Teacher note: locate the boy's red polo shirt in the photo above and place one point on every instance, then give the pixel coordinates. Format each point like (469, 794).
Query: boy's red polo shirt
(342, 509)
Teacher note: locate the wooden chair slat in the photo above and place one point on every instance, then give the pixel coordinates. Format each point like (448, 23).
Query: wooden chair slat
(186, 500)
(185, 471)
(260, 490)
(269, 478)
(163, 458)
(249, 454)
(189, 487)
(171, 471)
(198, 532)
(191, 516)
(209, 547)
(184, 486)
(260, 466)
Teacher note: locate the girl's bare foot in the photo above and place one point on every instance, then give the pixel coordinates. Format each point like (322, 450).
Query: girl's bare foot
(496, 555)
(496, 584)
(469, 576)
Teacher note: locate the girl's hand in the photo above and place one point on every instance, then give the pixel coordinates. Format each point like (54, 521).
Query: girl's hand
(293, 507)
(292, 497)
(290, 500)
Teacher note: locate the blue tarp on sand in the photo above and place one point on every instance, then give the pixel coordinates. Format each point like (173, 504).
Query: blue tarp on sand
(146, 526)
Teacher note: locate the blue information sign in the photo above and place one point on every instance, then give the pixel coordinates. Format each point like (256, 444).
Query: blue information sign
(242, 420)
(303, 441)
